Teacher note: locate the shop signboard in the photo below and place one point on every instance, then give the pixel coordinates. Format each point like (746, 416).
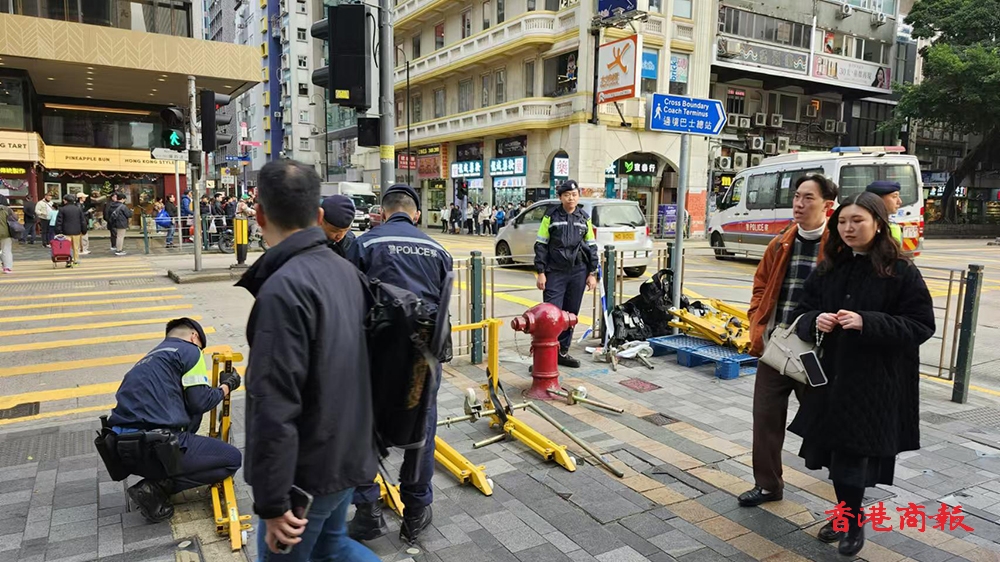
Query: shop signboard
(666, 220)
(473, 169)
(512, 146)
(852, 71)
(617, 69)
(512, 166)
(560, 167)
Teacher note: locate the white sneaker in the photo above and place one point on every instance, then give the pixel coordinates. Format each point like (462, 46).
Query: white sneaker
(120, 253)
(85, 252)
(114, 249)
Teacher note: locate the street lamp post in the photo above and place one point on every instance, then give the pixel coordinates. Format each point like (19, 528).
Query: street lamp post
(408, 169)
(326, 133)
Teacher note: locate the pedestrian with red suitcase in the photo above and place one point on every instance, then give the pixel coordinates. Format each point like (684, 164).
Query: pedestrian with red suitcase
(62, 250)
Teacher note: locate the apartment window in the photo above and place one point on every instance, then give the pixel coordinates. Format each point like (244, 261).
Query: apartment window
(785, 104)
(439, 103)
(759, 27)
(650, 71)
(301, 7)
(500, 85)
(303, 89)
(531, 5)
(655, 6)
(486, 15)
(679, 64)
(466, 23)
(485, 100)
(415, 47)
(872, 51)
(400, 108)
(300, 34)
(682, 9)
(736, 101)
(303, 116)
(465, 95)
(529, 79)
(303, 61)
(417, 108)
(438, 36)
(500, 11)
(304, 143)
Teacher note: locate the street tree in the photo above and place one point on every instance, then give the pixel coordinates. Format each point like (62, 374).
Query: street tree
(960, 89)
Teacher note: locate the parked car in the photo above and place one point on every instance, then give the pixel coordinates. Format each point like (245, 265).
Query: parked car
(615, 221)
(374, 216)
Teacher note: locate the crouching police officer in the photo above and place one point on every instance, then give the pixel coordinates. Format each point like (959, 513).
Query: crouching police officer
(151, 431)
(566, 259)
(338, 216)
(400, 254)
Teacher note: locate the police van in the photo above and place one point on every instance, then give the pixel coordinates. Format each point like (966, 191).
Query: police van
(758, 204)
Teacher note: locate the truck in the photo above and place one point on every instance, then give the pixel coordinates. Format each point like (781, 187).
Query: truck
(361, 193)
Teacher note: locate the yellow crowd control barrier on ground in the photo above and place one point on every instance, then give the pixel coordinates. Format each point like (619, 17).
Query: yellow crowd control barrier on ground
(228, 520)
(722, 323)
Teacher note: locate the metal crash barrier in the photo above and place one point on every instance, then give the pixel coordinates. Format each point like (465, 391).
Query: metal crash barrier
(228, 520)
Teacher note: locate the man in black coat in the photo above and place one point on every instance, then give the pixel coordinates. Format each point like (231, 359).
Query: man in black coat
(72, 223)
(309, 412)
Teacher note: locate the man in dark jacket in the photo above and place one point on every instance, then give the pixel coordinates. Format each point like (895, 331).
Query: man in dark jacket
(117, 215)
(338, 216)
(566, 259)
(309, 413)
(399, 253)
(71, 223)
(29, 220)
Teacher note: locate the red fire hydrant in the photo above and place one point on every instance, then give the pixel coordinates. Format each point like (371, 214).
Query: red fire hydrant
(544, 322)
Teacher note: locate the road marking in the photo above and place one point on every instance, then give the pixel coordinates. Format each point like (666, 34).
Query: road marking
(40, 368)
(79, 271)
(92, 326)
(59, 414)
(37, 265)
(87, 341)
(946, 382)
(51, 296)
(61, 315)
(15, 280)
(89, 303)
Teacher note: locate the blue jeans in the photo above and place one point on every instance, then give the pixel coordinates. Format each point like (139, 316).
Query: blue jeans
(325, 537)
(170, 234)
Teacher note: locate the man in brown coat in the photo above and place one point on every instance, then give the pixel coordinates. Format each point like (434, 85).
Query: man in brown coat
(777, 288)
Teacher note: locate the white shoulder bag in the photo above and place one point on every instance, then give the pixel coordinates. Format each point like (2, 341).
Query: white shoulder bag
(783, 349)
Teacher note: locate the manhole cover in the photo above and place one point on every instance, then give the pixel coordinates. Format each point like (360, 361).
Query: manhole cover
(19, 411)
(659, 419)
(989, 417)
(639, 385)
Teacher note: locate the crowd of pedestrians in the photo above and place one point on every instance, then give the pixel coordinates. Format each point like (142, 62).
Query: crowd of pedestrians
(478, 219)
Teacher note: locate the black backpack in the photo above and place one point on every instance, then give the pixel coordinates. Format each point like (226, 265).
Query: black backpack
(406, 342)
(647, 314)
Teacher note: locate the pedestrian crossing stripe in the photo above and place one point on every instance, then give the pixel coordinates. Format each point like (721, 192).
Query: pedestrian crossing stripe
(61, 315)
(50, 296)
(39, 265)
(37, 346)
(90, 326)
(16, 280)
(77, 271)
(57, 366)
(89, 303)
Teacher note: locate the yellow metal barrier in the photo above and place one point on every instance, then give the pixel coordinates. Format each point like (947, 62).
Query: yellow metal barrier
(726, 325)
(228, 520)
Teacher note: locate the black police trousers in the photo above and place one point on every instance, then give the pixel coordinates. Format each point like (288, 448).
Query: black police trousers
(565, 289)
(204, 461)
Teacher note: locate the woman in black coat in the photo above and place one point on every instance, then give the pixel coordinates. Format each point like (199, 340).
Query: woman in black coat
(870, 310)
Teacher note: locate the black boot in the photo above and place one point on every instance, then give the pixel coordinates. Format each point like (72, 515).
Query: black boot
(414, 524)
(567, 360)
(853, 541)
(368, 523)
(827, 534)
(152, 499)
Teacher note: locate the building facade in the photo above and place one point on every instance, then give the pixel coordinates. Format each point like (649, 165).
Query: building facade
(80, 110)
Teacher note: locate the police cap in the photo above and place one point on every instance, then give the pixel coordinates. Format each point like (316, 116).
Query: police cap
(403, 188)
(338, 210)
(177, 322)
(567, 185)
(883, 187)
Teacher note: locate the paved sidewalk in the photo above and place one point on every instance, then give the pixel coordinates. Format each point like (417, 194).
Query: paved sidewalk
(677, 502)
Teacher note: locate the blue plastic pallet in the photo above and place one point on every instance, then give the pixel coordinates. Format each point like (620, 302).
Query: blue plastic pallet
(728, 362)
(665, 345)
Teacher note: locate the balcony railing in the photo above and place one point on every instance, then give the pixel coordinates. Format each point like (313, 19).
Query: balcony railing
(633, 110)
(542, 27)
(513, 115)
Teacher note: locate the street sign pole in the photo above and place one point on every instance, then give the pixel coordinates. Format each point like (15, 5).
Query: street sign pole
(682, 187)
(177, 189)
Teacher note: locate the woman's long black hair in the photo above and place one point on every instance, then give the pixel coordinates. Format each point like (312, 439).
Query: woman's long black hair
(884, 251)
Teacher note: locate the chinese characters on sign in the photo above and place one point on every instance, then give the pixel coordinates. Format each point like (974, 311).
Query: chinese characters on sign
(853, 71)
(912, 516)
(617, 75)
(473, 169)
(681, 114)
(513, 166)
(560, 167)
(632, 167)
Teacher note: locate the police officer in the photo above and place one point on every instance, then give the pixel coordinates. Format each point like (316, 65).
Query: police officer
(400, 254)
(166, 393)
(566, 259)
(338, 216)
(889, 192)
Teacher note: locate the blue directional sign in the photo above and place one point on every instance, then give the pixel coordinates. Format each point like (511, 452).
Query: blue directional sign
(231, 158)
(681, 114)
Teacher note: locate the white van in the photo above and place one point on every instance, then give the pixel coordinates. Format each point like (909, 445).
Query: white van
(758, 204)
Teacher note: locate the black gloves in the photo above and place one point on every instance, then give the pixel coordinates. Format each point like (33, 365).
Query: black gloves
(232, 380)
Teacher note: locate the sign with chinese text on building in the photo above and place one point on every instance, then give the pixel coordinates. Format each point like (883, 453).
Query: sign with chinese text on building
(618, 69)
(472, 169)
(631, 167)
(852, 71)
(512, 166)
(406, 161)
(681, 114)
(560, 167)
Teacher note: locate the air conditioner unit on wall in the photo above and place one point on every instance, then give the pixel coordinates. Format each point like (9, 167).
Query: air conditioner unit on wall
(841, 127)
(783, 144)
(756, 159)
(733, 120)
(830, 126)
(739, 161)
(846, 11)
(756, 143)
(760, 120)
(776, 121)
(276, 115)
(879, 19)
(724, 163)
(811, 111)
(770, 148)
(744, 123)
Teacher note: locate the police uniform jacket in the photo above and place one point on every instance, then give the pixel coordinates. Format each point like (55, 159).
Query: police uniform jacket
(344, 245)
(400, 254)
(565, 240)
(167, 389)
(309, 399)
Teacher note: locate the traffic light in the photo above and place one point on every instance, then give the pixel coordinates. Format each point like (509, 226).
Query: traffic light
(463, 189)
(211, 137)
(347, 76)
(172, 136)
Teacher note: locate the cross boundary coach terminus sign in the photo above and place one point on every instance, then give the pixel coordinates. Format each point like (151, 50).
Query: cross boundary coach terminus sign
(680, 114)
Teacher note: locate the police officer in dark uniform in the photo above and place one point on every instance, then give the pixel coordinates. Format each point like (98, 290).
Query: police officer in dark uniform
(400, 254)
(338, 216)
(566, 259)
(163, 397)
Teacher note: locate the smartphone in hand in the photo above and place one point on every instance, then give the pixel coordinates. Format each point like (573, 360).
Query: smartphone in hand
(814, 371)
(301, 502)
